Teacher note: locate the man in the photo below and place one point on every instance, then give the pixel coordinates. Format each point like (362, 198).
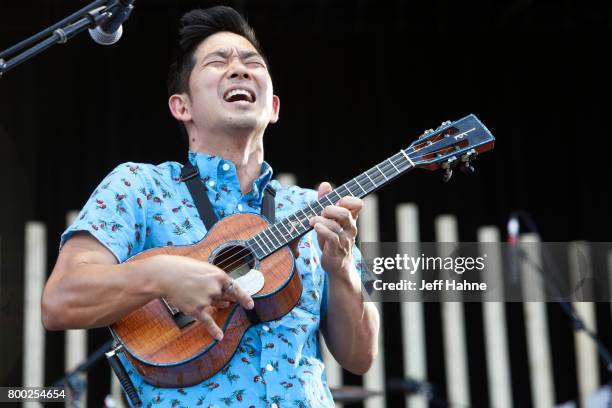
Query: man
(221, 91)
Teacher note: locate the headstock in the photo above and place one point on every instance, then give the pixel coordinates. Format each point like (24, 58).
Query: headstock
(451, 145)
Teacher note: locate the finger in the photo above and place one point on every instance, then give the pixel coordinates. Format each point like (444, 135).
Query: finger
(331, 224)
(342, 216)
(353, 204)
(210, 325)
(220, 304)
(326, 235)
(324, 188)
(238, 295)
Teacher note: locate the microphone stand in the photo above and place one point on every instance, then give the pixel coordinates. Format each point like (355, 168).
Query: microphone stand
(87, 17)
(568, 308)
(72, 379)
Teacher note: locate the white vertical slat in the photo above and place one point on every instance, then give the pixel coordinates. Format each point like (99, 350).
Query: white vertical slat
(34, 279)
(453, 323)
(413, 317)
(587, 366)
(75, 345)
(495, 327)
(368, 232)
(286, 179)
(536, 326)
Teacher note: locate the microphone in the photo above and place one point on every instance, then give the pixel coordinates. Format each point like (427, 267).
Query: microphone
(110, 30)
(513, 229)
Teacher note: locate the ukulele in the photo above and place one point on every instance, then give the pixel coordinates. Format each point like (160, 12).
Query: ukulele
(171, 349)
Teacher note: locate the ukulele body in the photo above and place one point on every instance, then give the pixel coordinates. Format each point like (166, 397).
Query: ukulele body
(168, 355)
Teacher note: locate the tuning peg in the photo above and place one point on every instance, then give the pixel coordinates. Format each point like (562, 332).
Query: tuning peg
(469, 156)
(447, 175)
(467, 168)
(425, 133)
(450, 162)
(444, 124)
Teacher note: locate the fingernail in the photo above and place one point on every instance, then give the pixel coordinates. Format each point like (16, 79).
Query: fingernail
(219, 336)
(251, 304)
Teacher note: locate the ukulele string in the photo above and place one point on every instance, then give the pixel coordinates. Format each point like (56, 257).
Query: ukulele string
(247, 251)
(387, 164)
(244, 254)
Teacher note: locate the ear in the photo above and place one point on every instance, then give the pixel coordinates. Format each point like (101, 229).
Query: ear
(275, 109)
(179, 107)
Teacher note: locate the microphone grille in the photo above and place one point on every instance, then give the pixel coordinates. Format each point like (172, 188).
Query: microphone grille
(103, 38)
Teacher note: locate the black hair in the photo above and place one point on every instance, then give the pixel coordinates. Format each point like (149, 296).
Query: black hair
(196, 26)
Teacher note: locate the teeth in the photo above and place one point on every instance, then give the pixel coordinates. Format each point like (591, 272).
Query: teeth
(239, 92)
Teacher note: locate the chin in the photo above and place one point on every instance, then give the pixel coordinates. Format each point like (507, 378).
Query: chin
(243, 122)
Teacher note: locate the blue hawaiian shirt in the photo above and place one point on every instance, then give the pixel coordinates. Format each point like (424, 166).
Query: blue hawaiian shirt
(278, 363)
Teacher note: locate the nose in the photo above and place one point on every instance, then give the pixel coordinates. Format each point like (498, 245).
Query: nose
(237, 70)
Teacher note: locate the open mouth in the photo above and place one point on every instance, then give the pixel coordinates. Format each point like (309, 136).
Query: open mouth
(239, 94)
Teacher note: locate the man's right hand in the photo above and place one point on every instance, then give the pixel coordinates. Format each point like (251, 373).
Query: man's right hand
(89, 289)
(195, 287)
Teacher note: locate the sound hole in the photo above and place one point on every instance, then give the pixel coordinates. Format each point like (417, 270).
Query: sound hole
(236, 260)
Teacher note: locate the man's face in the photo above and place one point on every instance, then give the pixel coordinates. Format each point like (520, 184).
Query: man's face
(230, 87)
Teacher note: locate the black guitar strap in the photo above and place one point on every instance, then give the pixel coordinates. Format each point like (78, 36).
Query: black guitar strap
(190, 175)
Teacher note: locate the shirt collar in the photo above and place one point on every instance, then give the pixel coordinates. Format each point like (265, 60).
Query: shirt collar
(216, 172)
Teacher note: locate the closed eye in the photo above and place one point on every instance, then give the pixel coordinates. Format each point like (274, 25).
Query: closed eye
(215, 63)
(255, 63)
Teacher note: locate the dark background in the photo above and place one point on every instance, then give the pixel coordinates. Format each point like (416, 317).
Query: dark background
(357, 81)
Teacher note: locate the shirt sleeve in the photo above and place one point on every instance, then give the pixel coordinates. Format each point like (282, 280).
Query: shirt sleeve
(115, 214)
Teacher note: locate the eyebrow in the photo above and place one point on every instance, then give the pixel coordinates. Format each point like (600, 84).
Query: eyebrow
(225, 53)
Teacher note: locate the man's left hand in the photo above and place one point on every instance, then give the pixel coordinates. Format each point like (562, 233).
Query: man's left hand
(336, 230)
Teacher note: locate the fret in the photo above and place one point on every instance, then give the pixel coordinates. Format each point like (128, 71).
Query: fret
(372, 181)
(252, 249)
(407, 157)
(362, 189)
(383, 174)
(254, 240)
(320, 210)
(280, 244)
(282, 234)
(327, 198)
(306, 218)
(264, 242)
(313, 211)
(391, 161)
(346, 187)
(285, 227)
(298, 222)
(336, 192)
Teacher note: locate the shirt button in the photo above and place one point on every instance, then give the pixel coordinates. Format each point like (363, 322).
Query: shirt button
(239, 207)
(226, 167)
(269, 367)
(265, 328)
(273, 405)
(211, 183)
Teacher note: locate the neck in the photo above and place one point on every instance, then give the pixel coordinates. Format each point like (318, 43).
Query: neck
(245, 151)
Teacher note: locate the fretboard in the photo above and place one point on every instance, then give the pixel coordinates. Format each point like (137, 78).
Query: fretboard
(297, 224)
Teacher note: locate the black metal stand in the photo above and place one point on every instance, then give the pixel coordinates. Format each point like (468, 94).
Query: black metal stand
(567, 306)
(59, 33)
(72, 379)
